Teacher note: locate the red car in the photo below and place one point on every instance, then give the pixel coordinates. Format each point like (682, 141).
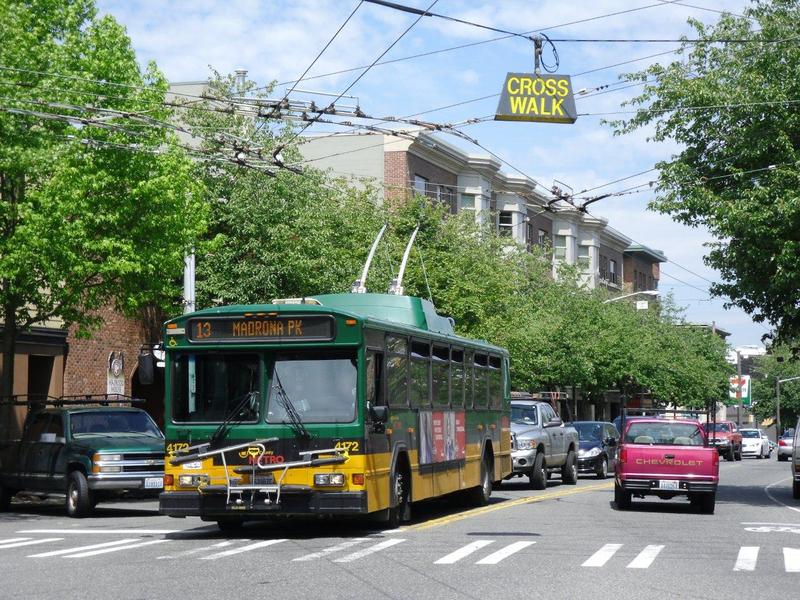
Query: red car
(726, 438)
(666, 458)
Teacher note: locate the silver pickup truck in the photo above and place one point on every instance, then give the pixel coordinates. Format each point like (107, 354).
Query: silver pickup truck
(541, 443)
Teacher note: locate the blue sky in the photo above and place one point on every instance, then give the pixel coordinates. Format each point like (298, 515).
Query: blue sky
(276, 41)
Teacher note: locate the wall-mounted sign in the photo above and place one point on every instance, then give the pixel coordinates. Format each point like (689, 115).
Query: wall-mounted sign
(740, 387)
(115, 375)
(539, 98)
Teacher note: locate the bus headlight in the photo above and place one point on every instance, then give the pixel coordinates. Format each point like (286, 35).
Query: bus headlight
(329, 479)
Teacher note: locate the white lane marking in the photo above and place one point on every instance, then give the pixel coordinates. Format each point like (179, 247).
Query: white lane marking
(12, 540)
(646, 557)
(114, 549)
(195, 550)
(81, 548)
(791, 560)
(771, 497)
(746, 561)
(241, 549)
(331, 549)
(30, 543)
(602, 556)
(496, 557)
(104, 531)
(456, 556)
(371, 550)
(769, 523)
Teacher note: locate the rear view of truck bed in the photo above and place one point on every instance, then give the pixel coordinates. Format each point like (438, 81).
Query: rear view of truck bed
(666, 458)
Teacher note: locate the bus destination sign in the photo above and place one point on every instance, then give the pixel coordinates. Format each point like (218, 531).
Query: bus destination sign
(260, 328)
(539, 98)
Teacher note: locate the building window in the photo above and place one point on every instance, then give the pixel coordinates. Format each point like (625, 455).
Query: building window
(584, 258)
(529, 235)
(420, 184)
(543, 237)
(467, 202)
(612, 271)
(506, 223)
(560, 247)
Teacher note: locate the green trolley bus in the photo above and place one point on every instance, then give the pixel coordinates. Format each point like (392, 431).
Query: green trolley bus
(341, 404)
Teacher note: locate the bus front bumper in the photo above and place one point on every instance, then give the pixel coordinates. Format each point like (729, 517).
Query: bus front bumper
(305, 502)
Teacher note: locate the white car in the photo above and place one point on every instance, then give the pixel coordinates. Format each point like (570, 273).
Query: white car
(754, 443)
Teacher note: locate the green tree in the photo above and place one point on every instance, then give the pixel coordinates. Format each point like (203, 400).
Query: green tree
(778, 364)
(732, 109)
(96, 208)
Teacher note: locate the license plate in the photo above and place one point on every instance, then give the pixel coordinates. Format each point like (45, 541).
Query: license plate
(668, 484)
(154, 483)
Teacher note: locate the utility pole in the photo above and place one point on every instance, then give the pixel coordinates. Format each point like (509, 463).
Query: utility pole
(739, 388)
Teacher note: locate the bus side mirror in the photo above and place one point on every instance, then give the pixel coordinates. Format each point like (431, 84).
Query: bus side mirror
(379, 414)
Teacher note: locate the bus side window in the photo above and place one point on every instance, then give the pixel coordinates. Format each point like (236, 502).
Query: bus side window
(495, 382)
(374, 379)
(469, 380)
(481, 380)
(396, 371)
(457, 377)
(420, 374)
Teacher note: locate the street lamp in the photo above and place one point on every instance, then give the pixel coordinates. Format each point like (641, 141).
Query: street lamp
(778, 403)
(645, 292)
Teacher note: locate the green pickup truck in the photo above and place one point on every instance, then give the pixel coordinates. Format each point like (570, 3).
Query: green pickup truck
(87, 451)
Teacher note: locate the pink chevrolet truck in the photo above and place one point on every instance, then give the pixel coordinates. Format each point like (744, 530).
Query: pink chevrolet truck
(666, 458)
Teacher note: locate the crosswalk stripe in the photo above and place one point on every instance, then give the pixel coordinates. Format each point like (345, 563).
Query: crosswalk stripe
(30, 543)
(602, 556)
(791, 560)
(82, 548)
(241, 549)
(12, 540)
(747, 558)
(195, 550)
(114, 549)
(371, 550)
(503, 553)
(646, 557)
(456, 556)
(330, 550)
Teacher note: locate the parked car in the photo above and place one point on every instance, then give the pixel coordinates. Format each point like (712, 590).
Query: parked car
(88, 453)
(785, 444)
(666, 458)
(754, 443)
(598, 447)
(725, 437)
(541, 443)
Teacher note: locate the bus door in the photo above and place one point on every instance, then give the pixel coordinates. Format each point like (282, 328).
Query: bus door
(377, 452)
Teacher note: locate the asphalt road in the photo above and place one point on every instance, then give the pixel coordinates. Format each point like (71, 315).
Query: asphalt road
(563, 542)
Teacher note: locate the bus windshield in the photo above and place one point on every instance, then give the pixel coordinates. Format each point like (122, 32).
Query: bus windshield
(320, 387)
(208, 386)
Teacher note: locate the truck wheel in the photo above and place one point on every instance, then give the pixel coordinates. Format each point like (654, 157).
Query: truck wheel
(5, 497)
(569, 472)
(707, 502)
(731, 455)
(739, 454)
(782, 457)
(622, 498)
(796, 489)
(602, 468)
(538, 474)
(79, 496)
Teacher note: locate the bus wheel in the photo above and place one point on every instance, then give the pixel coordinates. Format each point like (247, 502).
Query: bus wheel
(229, 525)
(5, 497)
(479, 496)
(400, 511)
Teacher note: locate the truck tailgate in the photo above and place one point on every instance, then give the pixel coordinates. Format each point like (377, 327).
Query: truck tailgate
(669, 462)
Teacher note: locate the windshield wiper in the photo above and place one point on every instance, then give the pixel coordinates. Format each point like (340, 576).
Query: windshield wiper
(296, 423)
(235, 415)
